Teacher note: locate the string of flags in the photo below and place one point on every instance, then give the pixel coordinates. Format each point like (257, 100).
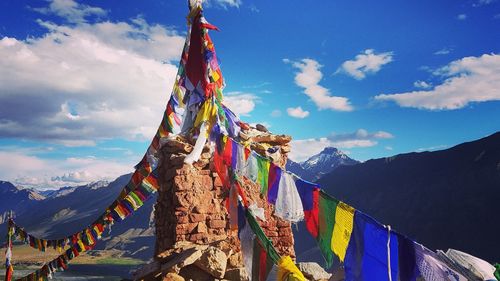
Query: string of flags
(85, 240)
(368, 249)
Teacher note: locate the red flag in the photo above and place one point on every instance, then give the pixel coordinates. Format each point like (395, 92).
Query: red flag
(8, 273)
(195, 66)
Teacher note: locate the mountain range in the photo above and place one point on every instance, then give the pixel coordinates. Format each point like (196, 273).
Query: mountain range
(69, 209)
(442, 199)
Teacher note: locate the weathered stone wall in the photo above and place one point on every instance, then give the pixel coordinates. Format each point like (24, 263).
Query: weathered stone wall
(191, 208)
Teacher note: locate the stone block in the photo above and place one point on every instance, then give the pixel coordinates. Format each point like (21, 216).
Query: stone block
(213, 261)
(217, 224)
(173, 277)
(236, 274)
(313, 271)
(197, 217)
(192, 272)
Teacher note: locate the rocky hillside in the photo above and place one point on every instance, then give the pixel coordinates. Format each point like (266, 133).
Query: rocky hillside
(16, 199)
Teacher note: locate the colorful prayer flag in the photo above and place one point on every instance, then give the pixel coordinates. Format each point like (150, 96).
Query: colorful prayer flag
(408, 270)
(255, 259)
(263, 174)
(309, 196)
(372, 253)
(326, 222)
(288, 271)
(431, 268)
(288, 205)
(273, 183)
(344, 217)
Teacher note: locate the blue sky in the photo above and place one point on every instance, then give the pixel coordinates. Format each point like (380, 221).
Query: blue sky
(83, 84)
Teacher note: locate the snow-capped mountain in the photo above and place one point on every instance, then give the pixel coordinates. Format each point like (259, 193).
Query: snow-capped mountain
(320, 164)
(63, 191)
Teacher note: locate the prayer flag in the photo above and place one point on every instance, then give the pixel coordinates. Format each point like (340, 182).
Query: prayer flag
(240, 159)
(431, 268)
(263, 174)
(9, 272)
(227, 155)
(273, 183)
(326, 222)
(408, 270)
(309, 196)
(344, 216)
(255, 258)
(234, 154)
(195, 65)
(471, 265)
(252, 167)
(288, 205)
(372, 253)
(233, 207)
(288, 271)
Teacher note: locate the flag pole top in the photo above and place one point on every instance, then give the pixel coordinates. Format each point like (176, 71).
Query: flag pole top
(194, 4)
(195, 8)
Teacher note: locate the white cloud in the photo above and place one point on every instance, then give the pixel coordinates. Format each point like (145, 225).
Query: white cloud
(224, 3)
(303, 149)
(297, 112)
(443, 51)
(254, 8)
(483, 2)
(308, 77)
(76, 143)
(359, 138)
(88, 81)
(240, 103)
(432, 148)
(461, 17)
(368, 62)
(276, 113)
(35, 172)
(71, 11)
(75, 177)
(421, 84)
(467, 80)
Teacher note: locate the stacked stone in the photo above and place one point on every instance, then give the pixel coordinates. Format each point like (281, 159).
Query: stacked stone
(191, 204)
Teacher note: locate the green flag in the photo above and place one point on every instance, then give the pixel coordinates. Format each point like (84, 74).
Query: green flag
(326, 220)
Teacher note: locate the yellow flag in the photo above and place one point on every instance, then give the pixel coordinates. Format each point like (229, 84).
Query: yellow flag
(215, 76)
(344, 217)
(288, 271)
